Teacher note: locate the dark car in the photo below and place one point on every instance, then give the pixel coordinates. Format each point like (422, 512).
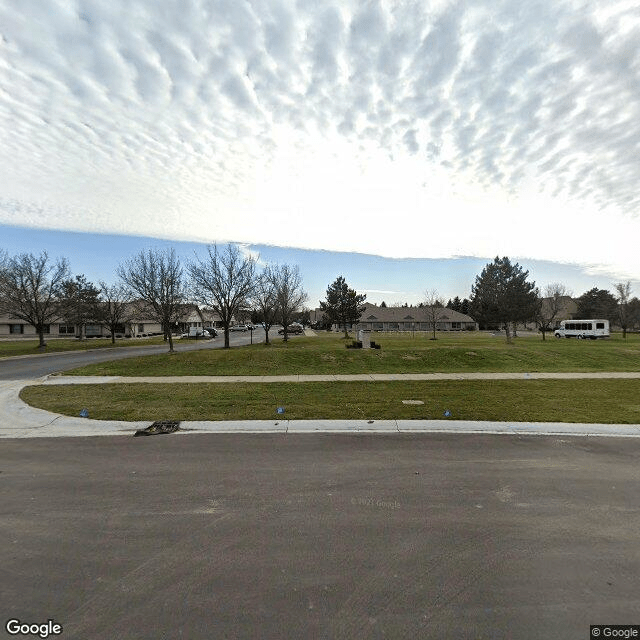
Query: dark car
(292, 328)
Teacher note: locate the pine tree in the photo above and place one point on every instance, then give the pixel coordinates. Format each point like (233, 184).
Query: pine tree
(343, 305)
(502, 295)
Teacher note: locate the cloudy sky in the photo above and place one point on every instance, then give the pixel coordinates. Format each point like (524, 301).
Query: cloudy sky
(398, 129)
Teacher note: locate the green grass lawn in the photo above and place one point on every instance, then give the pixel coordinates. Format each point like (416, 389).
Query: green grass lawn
(601, 401)
(451, 352)
(606, 401)
(30, 347)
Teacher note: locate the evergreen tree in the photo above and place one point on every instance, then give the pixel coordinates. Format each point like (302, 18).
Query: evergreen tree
(597, 303)
(343, 305)
(502, 295)
(79, 302)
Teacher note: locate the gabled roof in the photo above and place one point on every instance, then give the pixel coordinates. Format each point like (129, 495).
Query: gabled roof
(374, 313)
(411, 314)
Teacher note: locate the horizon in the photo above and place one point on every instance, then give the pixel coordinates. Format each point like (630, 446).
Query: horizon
(394, 281)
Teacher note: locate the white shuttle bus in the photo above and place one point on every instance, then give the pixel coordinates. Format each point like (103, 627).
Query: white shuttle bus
(582, 329)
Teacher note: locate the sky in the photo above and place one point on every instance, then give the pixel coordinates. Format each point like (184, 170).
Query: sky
(392, 280)
(405, 143)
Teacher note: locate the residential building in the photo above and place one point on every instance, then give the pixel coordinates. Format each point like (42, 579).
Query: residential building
(375, 318)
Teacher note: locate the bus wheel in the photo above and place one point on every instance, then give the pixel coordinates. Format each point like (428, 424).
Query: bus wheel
(580, 337)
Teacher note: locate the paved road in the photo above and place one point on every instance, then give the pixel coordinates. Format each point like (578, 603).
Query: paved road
(36, 366)
(316, 536)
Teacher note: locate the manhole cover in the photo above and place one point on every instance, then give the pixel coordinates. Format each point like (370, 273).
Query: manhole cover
(161, 426)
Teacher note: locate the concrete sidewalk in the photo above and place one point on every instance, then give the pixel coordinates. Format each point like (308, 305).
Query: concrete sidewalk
(23, 421)
(358, 377)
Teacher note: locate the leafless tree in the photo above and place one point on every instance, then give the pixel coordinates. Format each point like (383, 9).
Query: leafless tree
(550, 307)
(30, 287)
(265, 299)
(114, 306)
(624, 293)
(434, 304)
(156, 277)
(290, 295)
(223, 281)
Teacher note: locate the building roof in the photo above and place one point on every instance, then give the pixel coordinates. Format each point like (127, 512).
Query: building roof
(374, 313)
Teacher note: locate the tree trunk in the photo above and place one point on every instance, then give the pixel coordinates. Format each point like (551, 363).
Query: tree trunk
(42, 344)
(507, 330)
(226, 337)
(544, 333)
(266, 336)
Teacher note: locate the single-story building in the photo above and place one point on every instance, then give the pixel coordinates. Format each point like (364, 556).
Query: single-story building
(375, 318)
(139, 321)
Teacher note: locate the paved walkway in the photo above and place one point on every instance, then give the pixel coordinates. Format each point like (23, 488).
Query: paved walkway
(367, 377)
(22, 421)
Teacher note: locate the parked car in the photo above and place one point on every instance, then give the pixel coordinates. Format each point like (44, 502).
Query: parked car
(292, 328)
(238, 327)
(196, 332)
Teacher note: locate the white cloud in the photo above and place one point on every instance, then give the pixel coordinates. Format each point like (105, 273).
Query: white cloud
(463, 129)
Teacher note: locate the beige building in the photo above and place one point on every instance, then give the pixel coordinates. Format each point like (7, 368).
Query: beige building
(139, 322)
(375, 318)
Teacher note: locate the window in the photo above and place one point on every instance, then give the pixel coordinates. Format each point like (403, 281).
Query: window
(16, 328)
(456, 326)
(67, 330)
(93, 330)
(600, 325)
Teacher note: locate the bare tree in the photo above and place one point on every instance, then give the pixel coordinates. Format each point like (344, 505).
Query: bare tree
(289, 293)
(550, 307)
(265, 300)
(434, 304)
(114, 306)
(30, 287)
(223, 281)
(156, 277)
(624, 293)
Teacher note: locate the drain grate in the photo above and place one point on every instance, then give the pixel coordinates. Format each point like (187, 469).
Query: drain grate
(158, 427)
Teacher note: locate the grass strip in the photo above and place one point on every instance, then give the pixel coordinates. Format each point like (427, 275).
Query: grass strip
(326, 354)
(595, 401)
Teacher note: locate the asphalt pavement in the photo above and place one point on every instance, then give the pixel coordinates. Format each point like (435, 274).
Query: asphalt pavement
(363, 536)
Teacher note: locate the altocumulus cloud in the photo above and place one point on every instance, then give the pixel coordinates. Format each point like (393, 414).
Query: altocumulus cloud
(421, 129)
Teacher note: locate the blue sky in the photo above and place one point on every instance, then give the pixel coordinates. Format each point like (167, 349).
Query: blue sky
(415, 130)
(97, 256)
